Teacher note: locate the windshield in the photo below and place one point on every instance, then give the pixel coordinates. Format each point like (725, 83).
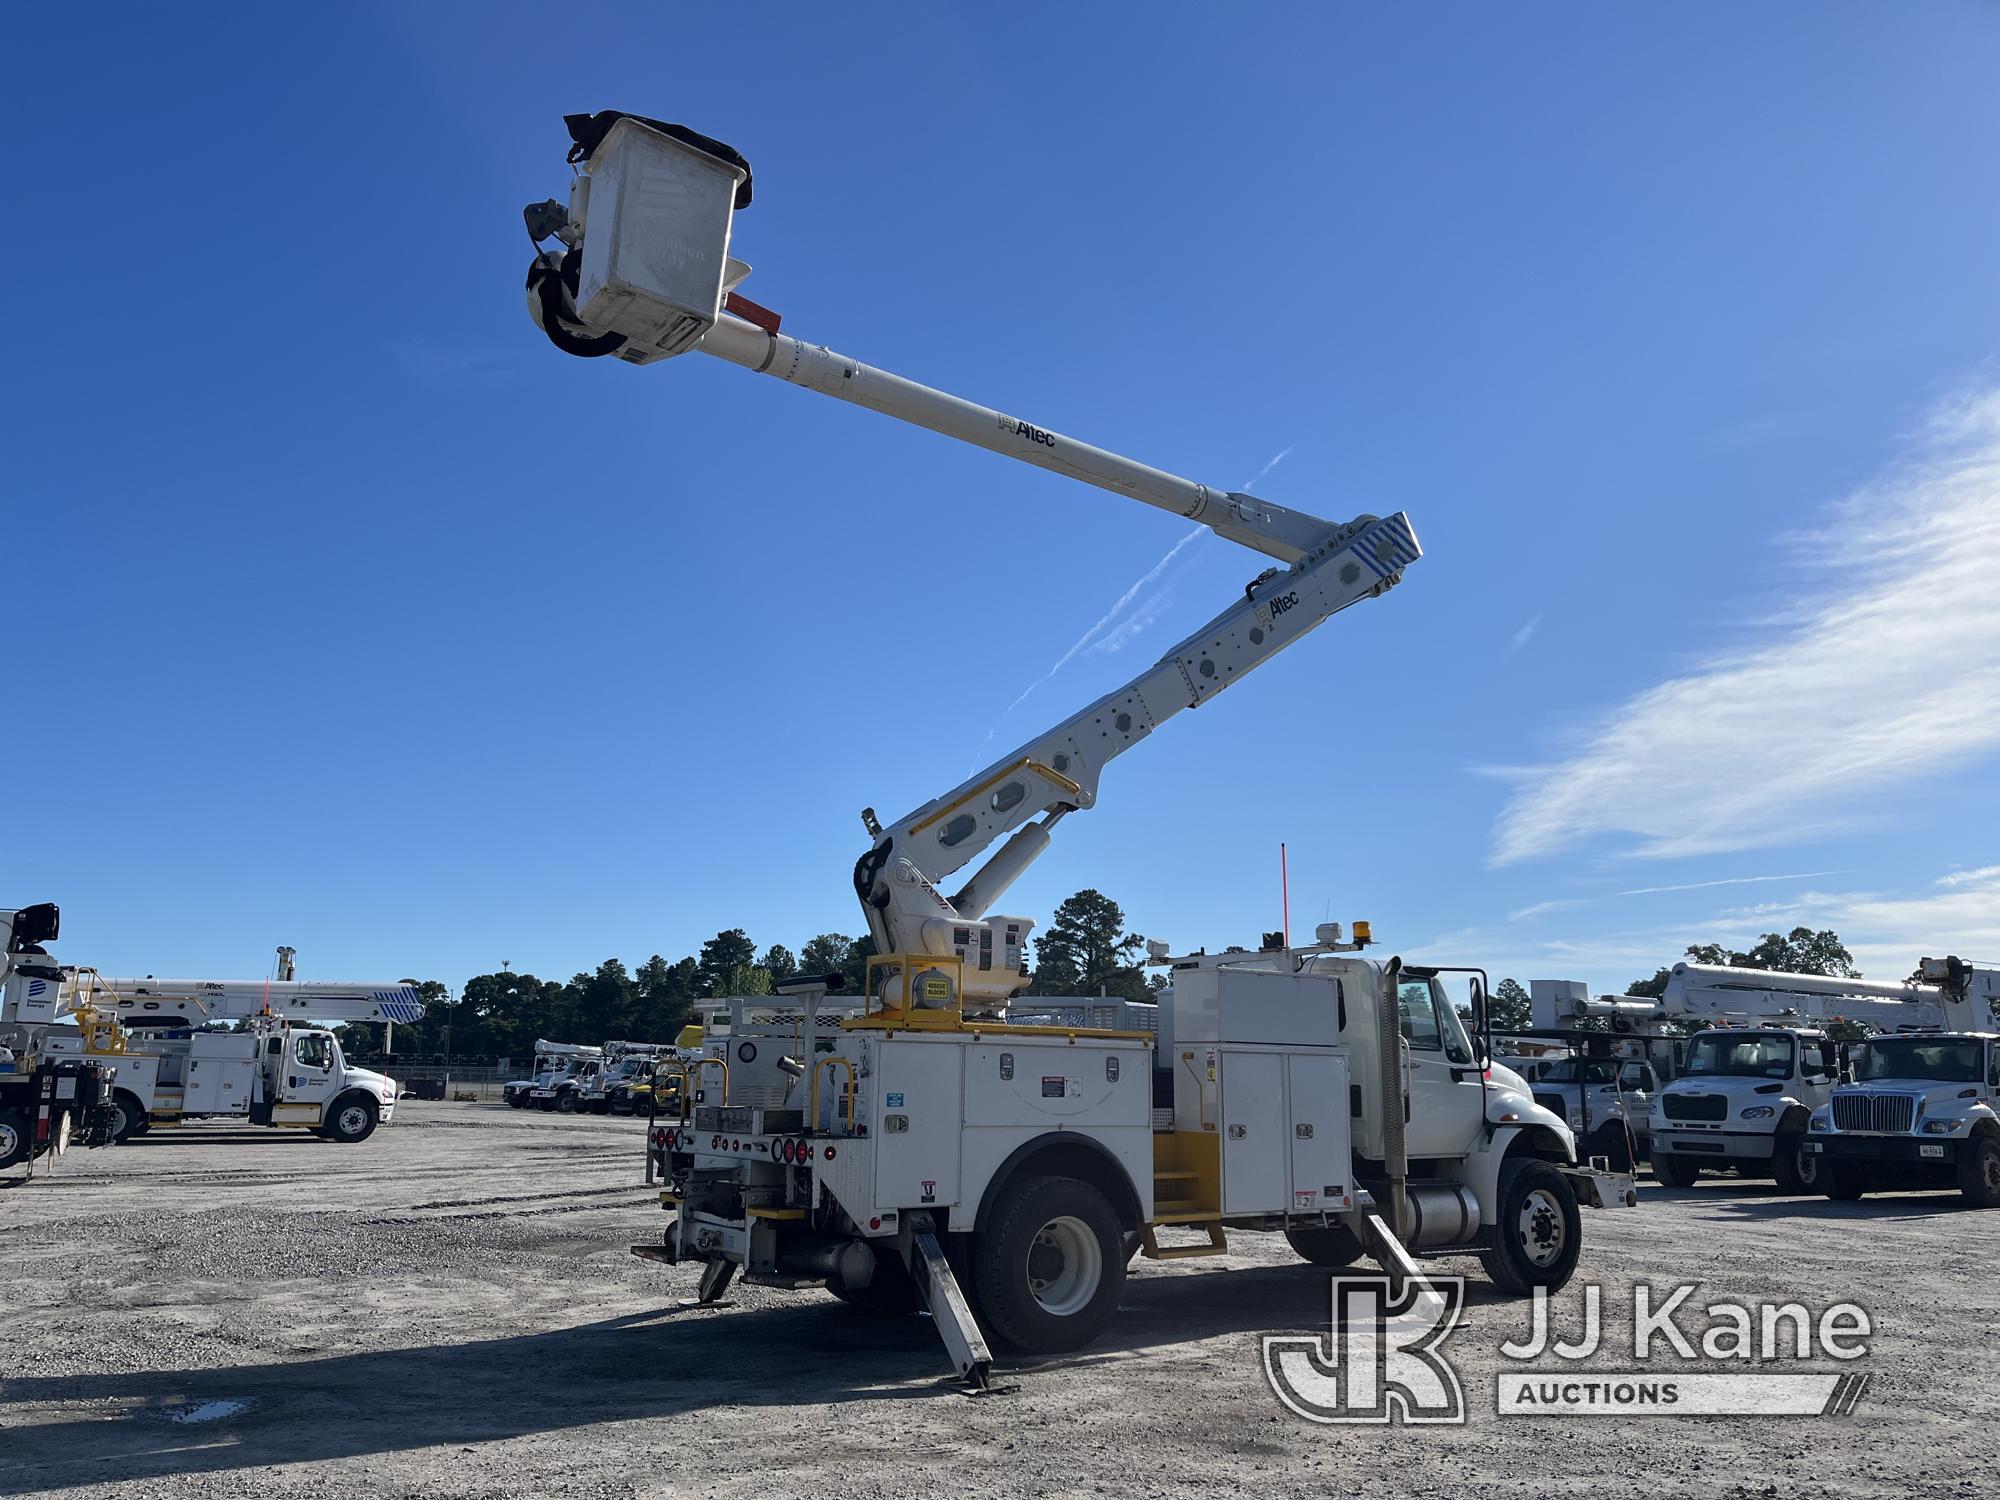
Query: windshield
(1751, 1054)
(1597, 1070)
(1946, 1061)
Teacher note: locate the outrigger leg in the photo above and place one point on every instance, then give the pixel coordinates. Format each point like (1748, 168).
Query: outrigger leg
(952, 1315)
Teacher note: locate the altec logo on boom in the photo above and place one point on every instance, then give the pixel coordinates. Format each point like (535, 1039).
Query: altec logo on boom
(1383, 1359)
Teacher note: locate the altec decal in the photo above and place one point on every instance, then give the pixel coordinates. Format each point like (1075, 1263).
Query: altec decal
(1034, 434)
(1284, 602)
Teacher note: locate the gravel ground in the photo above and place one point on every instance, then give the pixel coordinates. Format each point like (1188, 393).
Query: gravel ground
(450, 1309)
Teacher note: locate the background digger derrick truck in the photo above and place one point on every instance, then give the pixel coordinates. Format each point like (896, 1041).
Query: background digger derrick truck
(926, 1129)
(48, 1101)
(279, 1068)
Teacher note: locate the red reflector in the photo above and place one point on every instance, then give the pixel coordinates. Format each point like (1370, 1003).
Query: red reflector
(829, 1153)
(874, 1223)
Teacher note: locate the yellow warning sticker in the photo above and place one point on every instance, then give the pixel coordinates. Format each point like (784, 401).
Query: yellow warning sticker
(937, 989)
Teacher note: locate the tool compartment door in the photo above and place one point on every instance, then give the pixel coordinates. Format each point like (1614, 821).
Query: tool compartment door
(218, 1075)
(1317, 1109)
(919, 1096)
(1254, 1158)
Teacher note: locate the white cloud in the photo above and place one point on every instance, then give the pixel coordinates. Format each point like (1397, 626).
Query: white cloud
(1525, 634)
(1874, 676)
(1703, 885)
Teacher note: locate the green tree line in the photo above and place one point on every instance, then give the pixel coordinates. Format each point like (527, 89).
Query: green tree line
(1085, 951)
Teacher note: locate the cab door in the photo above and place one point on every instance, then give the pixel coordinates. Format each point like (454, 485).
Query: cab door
(1447, 1088)
(310, 1075)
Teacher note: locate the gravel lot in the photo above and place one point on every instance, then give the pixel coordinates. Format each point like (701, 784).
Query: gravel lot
(450, 1309)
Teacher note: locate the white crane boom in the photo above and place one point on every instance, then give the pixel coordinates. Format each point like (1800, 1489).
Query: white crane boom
(647, 275)
(1717, 994)
(194, 1001)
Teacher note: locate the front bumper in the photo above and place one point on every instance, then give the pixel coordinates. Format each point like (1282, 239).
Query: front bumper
(1713, 1145)
(1888, 1150)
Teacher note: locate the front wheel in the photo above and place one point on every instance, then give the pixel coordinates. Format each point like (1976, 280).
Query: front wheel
(352, 1119)
(565, 1104)
(1331, 1245)
(1979, 1172)
(1049, 1269)
(1795, 1169)
(1539, 1232)
(1843, 1181)
(1674, 1171)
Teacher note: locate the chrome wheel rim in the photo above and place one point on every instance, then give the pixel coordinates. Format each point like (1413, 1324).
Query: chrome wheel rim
(1541, 1227)
(353, 1120)
(1065, 1266)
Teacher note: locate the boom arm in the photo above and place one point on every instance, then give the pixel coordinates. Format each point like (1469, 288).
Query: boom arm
(647, 275)
(193, 1001)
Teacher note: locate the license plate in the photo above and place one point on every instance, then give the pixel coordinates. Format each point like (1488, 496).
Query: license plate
(1814, 1148)
(1923, 1150)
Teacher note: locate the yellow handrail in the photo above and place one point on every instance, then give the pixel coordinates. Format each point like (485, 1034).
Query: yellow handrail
(711, 1062)
(812, 1119)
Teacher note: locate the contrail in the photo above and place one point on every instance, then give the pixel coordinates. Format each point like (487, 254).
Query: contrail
(1125, 599)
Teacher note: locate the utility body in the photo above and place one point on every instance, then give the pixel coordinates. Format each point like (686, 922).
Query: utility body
(890, 1145)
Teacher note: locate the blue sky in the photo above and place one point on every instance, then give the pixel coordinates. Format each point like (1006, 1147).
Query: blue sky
(359, 619)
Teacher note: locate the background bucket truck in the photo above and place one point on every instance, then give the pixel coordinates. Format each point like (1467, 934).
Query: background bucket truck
(1750, 1080)
(277, 1066)
(916, 1141)
(48, 1101)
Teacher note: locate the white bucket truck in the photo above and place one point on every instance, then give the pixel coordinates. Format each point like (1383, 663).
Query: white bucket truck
(1763, 1061)
(865, 1157)
(1921, 1110)
(280, 1066)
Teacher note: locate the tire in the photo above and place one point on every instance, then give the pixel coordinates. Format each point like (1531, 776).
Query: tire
(128, 1118)
(1791, 1168)
(16, 1138)
(565, 1103)
(1328, 1245)
(1844, 1181)
(890, 1293)
(1979, 1172)
(1674, 1171)
(1048, 1271)
(351, 1119)
(1611, 1142)
(1538, 1233)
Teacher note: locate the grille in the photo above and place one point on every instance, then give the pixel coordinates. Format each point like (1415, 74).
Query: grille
(1886, 1112)
(1695, 1106)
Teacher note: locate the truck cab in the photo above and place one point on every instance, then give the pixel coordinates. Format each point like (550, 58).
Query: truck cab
(571, 1088)
(1921, 1111)
(1601, 1098)
(1743, 1100)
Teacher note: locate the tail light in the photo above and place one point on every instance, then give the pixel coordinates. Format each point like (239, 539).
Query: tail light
(829, 1153)
(660, 1138)
(788, 1150)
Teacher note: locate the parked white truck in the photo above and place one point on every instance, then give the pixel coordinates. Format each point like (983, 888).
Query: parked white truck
(48, 1101)
(1751, 1080)
(1922, 1111)
(551, 1065)
(278, 1067)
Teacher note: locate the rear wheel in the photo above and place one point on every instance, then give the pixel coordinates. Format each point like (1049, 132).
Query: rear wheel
(351, 1119)
(128, 1117)
(1674, 1171)
(1048, 1270)
(1979, 1171)
(1331, 1245)
(1539, 1232)
(891, 1292)
(15, 1139)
